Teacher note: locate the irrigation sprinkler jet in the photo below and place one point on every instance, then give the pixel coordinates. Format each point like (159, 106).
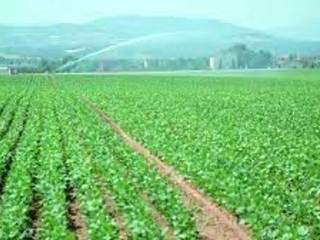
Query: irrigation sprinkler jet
(117, 46)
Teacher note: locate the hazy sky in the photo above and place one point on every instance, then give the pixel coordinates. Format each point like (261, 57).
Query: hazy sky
(263, 14)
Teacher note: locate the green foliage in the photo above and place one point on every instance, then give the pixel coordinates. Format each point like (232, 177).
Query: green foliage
(251, 141)
(240, 57)
(59, 148)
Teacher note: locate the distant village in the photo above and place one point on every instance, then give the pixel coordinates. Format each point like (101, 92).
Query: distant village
(236, 57)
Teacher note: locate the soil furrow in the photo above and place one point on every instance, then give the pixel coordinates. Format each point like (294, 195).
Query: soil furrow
(113, 212)
(34, 212)
(4, 105)
(76, 222)
(34, 217)
(159, 218)
(110, 206)
(8, 124)
(155, 213)
(212, 221)
(12, 152)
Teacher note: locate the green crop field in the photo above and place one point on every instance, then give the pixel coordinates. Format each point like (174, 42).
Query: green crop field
(249, 142)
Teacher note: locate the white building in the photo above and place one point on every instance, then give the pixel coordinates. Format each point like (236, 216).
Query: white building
(145, 63)
(212, 63)
(4, 70)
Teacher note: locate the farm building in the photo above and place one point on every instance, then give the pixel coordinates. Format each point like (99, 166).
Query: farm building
(4, 70)
(8, 70)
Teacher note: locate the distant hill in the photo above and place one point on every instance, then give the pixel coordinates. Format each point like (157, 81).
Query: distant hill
(156, 37)
(305, 32)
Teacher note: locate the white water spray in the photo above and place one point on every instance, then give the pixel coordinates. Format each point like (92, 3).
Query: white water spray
(117, 46)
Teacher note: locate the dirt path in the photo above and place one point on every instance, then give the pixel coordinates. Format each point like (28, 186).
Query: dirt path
(213, 222)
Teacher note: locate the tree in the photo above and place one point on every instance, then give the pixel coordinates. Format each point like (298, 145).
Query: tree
(68, 58)
(48, 65)
(261, 59)
(240, 56)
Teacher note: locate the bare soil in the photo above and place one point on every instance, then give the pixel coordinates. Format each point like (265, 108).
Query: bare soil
(76, 221)
(34, 217)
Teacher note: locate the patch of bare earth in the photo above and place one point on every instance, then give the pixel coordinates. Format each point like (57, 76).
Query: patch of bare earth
(77, 223)
(33, 218)
(213, 222)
